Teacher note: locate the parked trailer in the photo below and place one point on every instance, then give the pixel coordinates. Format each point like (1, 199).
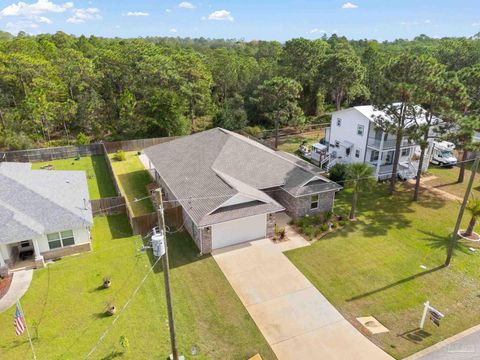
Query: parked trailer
(442, 153)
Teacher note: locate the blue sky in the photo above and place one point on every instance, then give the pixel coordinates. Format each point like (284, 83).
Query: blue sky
(245, 19)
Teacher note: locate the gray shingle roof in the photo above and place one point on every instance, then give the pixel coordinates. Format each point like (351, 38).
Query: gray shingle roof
(35, 202)
(206, 169)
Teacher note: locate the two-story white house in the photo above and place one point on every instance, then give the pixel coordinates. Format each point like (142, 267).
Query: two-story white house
(354, 137)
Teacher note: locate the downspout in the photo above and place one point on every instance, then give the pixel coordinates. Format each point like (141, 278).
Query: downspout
(366, 143)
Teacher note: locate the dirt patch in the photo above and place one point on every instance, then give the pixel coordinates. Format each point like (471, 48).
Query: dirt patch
(474, 237)
(5, 284)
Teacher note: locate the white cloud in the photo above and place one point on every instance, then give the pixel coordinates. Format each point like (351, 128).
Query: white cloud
(137, 13)
(82, 15)
(428, 21)
(221, 15)
(409, 23)
(21, 25)
(173, 30)
(476, 24)
(317, 31)
(186, 5)
(44, 20)
(168, 10)
(349, 5)
(29, 10)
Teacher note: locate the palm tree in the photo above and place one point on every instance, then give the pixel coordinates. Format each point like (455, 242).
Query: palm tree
(473, 206)
(359, 175)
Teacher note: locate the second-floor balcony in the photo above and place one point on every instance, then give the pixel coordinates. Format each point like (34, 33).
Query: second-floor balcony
(389, 143)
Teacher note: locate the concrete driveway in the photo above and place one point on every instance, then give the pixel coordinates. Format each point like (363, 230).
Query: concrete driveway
(295, 318)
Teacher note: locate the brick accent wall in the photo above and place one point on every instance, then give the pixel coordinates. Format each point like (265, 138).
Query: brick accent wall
(271, 225)
(69, 250)
(300, 206)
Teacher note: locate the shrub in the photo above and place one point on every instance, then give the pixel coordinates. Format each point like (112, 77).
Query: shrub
(323, 227)
(255, 131)
(338, 173)
(319, 231)
(120, 155)
(82, 139)
(334, 225)
(343, 222)
(309, 231)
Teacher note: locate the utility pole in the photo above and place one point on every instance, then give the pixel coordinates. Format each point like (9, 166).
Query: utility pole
(166, 274)
(453, 240)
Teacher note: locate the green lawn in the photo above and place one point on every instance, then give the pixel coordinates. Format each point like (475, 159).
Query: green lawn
(133, 180)
(100, 184)
(373, 267)
(64, 306)
(447, 180)
(292, 143)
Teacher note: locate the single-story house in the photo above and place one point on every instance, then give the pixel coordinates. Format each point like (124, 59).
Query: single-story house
(44, 214)
(230, 186)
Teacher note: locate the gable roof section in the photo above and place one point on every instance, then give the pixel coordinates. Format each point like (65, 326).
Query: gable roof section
(35, 202)
(206, 169)
(370, 112)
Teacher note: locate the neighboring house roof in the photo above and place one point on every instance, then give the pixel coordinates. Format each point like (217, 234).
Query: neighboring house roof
(206, 169)
(371, 112)
(36, 202)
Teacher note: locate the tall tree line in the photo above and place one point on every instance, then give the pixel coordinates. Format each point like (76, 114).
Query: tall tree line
(55, 87)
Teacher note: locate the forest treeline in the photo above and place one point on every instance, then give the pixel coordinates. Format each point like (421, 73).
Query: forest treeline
(57, 88)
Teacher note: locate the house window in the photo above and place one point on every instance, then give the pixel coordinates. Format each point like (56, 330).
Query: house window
(60, 239)
(347, 151)
(314, 202)
(357, 153)
(405, 152)
(374, 156)
(339, 122)
(360, 129)
(337, 143)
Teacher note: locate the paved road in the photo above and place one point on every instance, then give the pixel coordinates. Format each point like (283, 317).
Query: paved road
(296, 319)
(464, 346)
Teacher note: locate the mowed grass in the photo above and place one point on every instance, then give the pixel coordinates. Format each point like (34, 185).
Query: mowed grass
(64, 305)
(133, 180)
(100, 183)
(291, 144)
(447, 180)
(373, 267)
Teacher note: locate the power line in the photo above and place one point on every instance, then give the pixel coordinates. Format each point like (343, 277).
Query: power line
(105, 333)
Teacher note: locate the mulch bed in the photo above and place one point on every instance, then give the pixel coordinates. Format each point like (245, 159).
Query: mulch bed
(5, 284)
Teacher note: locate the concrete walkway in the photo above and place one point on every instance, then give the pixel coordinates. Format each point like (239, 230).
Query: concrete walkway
(20, 282)
(296, 319)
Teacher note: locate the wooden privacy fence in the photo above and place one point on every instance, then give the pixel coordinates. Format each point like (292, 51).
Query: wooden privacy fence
(65, 152)
(53, 153)
(111, 172)
(135, 145)
(143, 224)
(108, 206)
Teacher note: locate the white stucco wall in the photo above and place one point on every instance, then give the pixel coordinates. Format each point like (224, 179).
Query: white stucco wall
(347, 131)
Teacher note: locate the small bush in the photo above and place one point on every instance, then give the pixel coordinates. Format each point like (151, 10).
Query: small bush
(319, 231)
(82, 139)
(334, 225)
(338, 173)
(343, 222)
(309, 231)
(255, 131)
(323, 227)
(120, 155)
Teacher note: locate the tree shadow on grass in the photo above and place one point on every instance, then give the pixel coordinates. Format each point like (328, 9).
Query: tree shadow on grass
(396, 283)
(181, 251)
(119, 226)
(442, 242)
(103, 177)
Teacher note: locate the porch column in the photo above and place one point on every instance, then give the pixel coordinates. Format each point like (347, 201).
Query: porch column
(379, 161)
(39, 262)
(3, 264)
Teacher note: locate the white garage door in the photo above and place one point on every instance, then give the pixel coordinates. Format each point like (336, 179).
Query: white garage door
(238, 231)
